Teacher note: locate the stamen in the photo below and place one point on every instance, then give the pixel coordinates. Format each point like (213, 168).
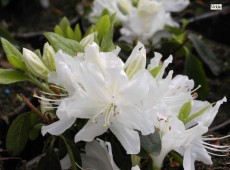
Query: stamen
(46, 99)
(52, 94)
(199, 86)
(217, 154)
(219, 138)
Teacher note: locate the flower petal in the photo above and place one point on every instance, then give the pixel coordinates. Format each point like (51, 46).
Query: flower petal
(128, 138)
(58, 127)
(91, 130)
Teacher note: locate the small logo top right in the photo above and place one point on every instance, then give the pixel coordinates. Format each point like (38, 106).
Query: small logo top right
(215, 6)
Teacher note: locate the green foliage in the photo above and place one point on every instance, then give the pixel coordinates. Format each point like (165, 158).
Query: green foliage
(8, 76)
(20, 131)
(69, 46)
(205, 54)
(64, 29)
(14, 56)
(185, 111)
(195, 70)
(49, 161)
(151, 143)
(17, 135)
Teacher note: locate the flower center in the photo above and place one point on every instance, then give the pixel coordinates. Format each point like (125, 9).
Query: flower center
(108, 112)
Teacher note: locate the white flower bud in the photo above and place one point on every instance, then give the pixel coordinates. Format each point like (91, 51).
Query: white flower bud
(136, 61)
(48, 56)
(35, 64)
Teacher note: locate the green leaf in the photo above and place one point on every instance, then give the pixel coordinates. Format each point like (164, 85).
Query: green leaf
(58, 42)
(49, 161)
(14, 56)
(195, 70)
(17, 135)
(155, 71)
(8, 76)
(206, 54)
(197, 114)
(107, 42)
(151, 143)
(185, 111)
(70, 33)
(77, 33)
(102, 26)
(58, 30)
(64, 23)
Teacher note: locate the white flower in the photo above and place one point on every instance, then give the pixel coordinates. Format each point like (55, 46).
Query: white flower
(145, 20)
(98, 155)
(188, 141)
(100, 90)
(174, 5)
(114, 6)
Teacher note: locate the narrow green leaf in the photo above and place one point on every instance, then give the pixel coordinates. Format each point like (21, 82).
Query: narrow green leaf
(58, 42)
(8, 76)
(195, 70)
(107, 42)
(64, 23)
(185, 111)
(17, 135)
(77, 33)
(206, 54)
(151, 143)
(155, 71)
(58, 30)
(70, 33)
(14, 56)
(197, 114)
(102, 26)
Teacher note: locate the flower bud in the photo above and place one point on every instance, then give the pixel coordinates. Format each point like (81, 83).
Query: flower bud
(136, 61)
(35, 64)
(48, 57)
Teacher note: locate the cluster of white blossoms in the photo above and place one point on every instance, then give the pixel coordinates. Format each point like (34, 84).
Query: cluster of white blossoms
(142, 18)
(128, 97)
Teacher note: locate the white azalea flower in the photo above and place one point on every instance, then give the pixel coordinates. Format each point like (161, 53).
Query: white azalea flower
(174, 5)
(188, 141)
(98, 156)
(142, 21)
(115, 6)
(100, 90)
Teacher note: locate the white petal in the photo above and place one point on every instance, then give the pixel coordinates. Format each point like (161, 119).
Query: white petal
(135, 168)
(58, 127)
(96, 157)
(133, 117)
(136, 89)
(128, 138)
(91, 130)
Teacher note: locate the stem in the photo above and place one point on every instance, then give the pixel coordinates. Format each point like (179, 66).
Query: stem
(75, 166)
(39, 84)
(34, 109)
